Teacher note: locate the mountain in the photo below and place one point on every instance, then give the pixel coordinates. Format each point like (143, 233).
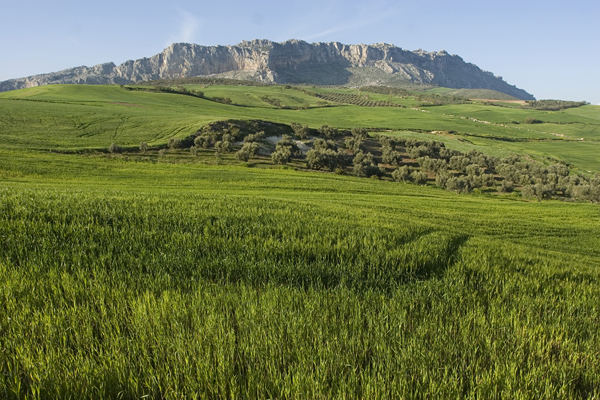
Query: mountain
(293, 61)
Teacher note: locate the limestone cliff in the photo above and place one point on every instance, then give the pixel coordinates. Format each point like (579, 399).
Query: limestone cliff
(293, 61)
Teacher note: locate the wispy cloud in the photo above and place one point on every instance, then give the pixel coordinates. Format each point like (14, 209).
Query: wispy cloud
(363, 16)
(189, 25)
(73, 40)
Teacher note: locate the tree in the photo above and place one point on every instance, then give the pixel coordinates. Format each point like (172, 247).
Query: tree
(282, 155)
(301, 131)
(458, 184)
(285, 149)
(506, 186)
(224, 145)
(174, 143)
(459, 163)
(390, 156)
(359, 133)
(441, 178)
(254, 137)
(419, 177)
(402, 174)
(247, 151)
(364, 165)
(328, 131)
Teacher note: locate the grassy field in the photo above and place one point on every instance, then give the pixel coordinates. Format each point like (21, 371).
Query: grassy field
(77, 117)
(178, 276)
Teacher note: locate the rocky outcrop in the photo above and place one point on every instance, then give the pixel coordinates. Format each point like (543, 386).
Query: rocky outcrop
(293, 61)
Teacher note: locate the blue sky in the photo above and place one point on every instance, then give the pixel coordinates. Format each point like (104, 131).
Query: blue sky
(549, 48)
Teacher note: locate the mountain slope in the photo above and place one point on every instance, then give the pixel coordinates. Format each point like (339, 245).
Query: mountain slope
(293, 61)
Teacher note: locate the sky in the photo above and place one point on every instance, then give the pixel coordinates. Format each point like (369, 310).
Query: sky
(549, 48)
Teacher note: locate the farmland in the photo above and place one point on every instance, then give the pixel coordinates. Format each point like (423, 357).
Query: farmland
(171, 275)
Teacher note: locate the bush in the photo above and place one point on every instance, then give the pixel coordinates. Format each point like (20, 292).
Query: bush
(355, 144)
(223, 100)
(143, 147)
(530, 120)
(328, 159)
(459, 163)
(114, 148)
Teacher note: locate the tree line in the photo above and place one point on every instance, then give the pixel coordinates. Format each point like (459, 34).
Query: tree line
(401, 159)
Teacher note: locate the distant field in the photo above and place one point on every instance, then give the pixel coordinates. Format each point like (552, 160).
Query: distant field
(77, 117)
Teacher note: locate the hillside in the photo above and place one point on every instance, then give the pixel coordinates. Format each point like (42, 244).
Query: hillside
(141, 257)
(293, 62)
(80, 117)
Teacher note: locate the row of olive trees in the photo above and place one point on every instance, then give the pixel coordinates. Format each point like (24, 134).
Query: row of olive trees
(464, 172)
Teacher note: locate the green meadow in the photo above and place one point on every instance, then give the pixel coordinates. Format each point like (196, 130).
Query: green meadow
(170, 275)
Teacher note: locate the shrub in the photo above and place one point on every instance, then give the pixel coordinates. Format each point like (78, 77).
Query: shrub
(143, 147)
(432, 164)
(223, 100)
(530, 120)
(114, 148)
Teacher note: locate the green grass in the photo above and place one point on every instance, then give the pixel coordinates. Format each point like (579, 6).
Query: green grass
(147, 276)
(132, 279)
(77, 117)
(252, 96)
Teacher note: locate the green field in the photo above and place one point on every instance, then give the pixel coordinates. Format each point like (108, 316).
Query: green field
(77, 117)
(177, 276)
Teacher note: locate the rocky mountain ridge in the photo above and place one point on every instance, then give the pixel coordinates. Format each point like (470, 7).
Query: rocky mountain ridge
(292, 61)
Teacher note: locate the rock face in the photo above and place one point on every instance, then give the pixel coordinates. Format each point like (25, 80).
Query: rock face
(293, 61)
